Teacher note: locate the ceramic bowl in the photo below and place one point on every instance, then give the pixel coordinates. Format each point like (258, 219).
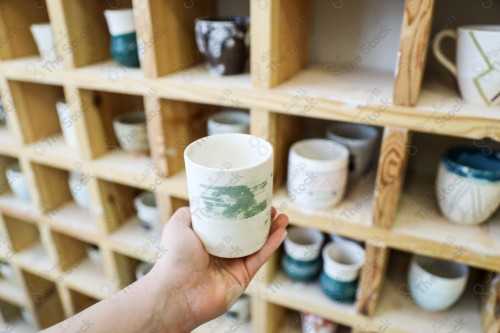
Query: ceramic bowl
(17, 181)
(142, 269)
(230, 181)
(67, 124)
(123, 45)
(94, 254)
(313, 323)
(44, 39)
(241, 309)
(77, 182)
(468, 184)
(225, 42)
(360, 140)
(436, 284)
(148, 213)
(130, 129)
(317, 173)
(229, 122)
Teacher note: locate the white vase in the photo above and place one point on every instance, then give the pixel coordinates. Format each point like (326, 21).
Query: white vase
(230, 181)
(131, 132)
(148, 213)
(44, 39)
(78, 188)
(68, 125)
(17, 181)
(229, 122)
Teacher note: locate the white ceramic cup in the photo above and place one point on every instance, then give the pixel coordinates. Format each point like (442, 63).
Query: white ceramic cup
(17, 181)
(303, 244)
(142, 269)
(477, 66)
(67, 124)
(148, 213)
(3, 114)
(436, 284)
(4, 162)
(130, 129)
(78, 187)
(312, 323)
(230, 181)
(241, 309)
(7, 272)
(361, 142)
(120, 21)
(94, 254)
(44, 39)
(343, 260)
(28, 316)
(229, 122)
(317, 173)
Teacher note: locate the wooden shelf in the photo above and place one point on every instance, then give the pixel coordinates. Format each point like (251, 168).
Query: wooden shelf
(133, 240)
(12, 293)
(13, 206)
(18, 326)
(36, 260)
(89, 279)
(8, 144)
(73, 220)
(53, 151)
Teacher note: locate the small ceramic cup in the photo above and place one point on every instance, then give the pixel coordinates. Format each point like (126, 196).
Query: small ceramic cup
(241, 309)
(436, 284)
(317, 173)
(3, 115)
(130, 129)
(142, 269)
(123, 45)
(44, 39)
(360, 140)
(342, 262)
(4, 163)
(148, 213)
(468, 184)
(225, 43)
(338, 238)
(17, 181)
(94, 254)
(312, 323)
(302, 259)
(28, 316)
(78, 187)
(7, 273)
(229, 122)
(67, 124)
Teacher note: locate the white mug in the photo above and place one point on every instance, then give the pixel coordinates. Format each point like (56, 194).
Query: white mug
(44, 39)
(67, 124)
(477, 62)
(230, 121)
(77, 182)
(17, 181)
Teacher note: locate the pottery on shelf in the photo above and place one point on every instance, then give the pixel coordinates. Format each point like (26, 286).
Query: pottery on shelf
(7, 273)
(131, 132)
(142, 269)
(313, 323)
(17, 181)
(148, 213)
(4, 163)
(94, 254)
(468, 184)
(3, 114)
(230, 180)
(229, 121)
(241, 309)
(77, 182)
(225, 42)
(28, 316)
(67, 124)
(44, 39)
(123, 45)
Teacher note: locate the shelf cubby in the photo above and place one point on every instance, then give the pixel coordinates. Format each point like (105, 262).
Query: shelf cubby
(11, 319)
(80, 301)
(11, 289)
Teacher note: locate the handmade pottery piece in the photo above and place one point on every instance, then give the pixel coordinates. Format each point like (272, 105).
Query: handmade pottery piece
(468, 184)
(17, 181)
(436, 284)
(224, 42)
(44, 39)
(229, 122)
(338, 238)
(130, 130)
(7, 273)
(241, 309)
(477, 54)
(28, 316)
(361, 142)
(94, 254)
(77, 182)
(230, 180)
(142, 269)
(67, 124)
(341, 264)
(148, 213)
(4, 162)
(312, 323)
(317, 173)
(123, 46)
(3, 115)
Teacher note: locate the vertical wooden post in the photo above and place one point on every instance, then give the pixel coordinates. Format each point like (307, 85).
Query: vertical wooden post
(266, 317)
(490, 305)
(417, 20)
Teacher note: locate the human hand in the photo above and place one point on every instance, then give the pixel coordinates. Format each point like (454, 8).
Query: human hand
(197, 286)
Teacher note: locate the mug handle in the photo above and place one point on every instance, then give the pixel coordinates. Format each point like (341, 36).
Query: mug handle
(436, 49)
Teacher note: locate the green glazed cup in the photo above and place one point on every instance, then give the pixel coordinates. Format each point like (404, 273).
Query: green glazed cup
(339, 291)
(301, 271)
(123, 49)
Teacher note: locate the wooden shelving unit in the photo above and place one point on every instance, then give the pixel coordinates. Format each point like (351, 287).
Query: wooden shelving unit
(392, 209)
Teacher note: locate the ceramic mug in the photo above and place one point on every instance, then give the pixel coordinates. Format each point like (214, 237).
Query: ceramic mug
(17, 181)
(131, 132)
(142, 269)
(94, 254)
(229, 122)
(360, 140)
(77, 182)
(317, 173)
(312, 323)
(468, 184)
(44, 39)
(67, 124)
(224, 42)
(148, 213)
(302, 259)
(230, 181)
(342, 262)
(123, 45)
(476, 69)
(241, 309)
(436, 284)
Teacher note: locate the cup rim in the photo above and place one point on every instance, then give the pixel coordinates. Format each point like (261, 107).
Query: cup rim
(139, 199)
(356, 265)
(370, 130)
(238, 19)
(481, 28)
(242, 115)
(317, 235)
(450, 160)
(344, 152)
(417, 262)
(139, 115)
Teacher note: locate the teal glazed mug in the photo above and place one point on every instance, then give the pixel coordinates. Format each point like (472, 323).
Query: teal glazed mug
(123, 45)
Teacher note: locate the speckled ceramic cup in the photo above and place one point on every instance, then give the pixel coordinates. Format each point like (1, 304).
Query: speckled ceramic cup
(131, 131)
(230, 181)
(229, 121)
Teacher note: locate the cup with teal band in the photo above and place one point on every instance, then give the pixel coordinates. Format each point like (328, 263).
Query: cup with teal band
(123, 45)
(342, 262)
(302, 260)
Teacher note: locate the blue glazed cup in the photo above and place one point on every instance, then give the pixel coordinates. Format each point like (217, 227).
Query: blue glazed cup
(123, 46)
(468, 184)
(302, 258)
(301, 271)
